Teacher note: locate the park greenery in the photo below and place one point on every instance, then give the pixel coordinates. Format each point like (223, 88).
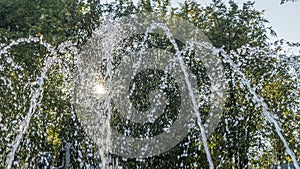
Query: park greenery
(241, 135)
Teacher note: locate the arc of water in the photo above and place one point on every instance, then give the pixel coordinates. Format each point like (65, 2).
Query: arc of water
(260, 101)
(191, 93)
(34, 102)
(36, 95)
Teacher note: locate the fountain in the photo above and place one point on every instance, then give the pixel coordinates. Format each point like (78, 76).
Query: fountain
(137, 90)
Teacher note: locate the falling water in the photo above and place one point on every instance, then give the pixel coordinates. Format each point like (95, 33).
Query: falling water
(52, 58)
(37, 94)
(256, 98)
(178, 54)
(260, 101)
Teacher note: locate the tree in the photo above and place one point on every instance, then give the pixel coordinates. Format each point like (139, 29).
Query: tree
(226, 27)
(285, 1)
(53, 122)
(239, 140)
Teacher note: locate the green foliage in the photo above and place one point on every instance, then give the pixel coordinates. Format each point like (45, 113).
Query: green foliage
(228, 26)
(54, 120)
(57, 21)
(239, 140)
(285, 1)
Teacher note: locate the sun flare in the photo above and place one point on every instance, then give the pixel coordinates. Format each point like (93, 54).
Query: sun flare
(100, 89)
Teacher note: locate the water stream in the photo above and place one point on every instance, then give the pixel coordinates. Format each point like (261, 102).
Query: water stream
(105, 143)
